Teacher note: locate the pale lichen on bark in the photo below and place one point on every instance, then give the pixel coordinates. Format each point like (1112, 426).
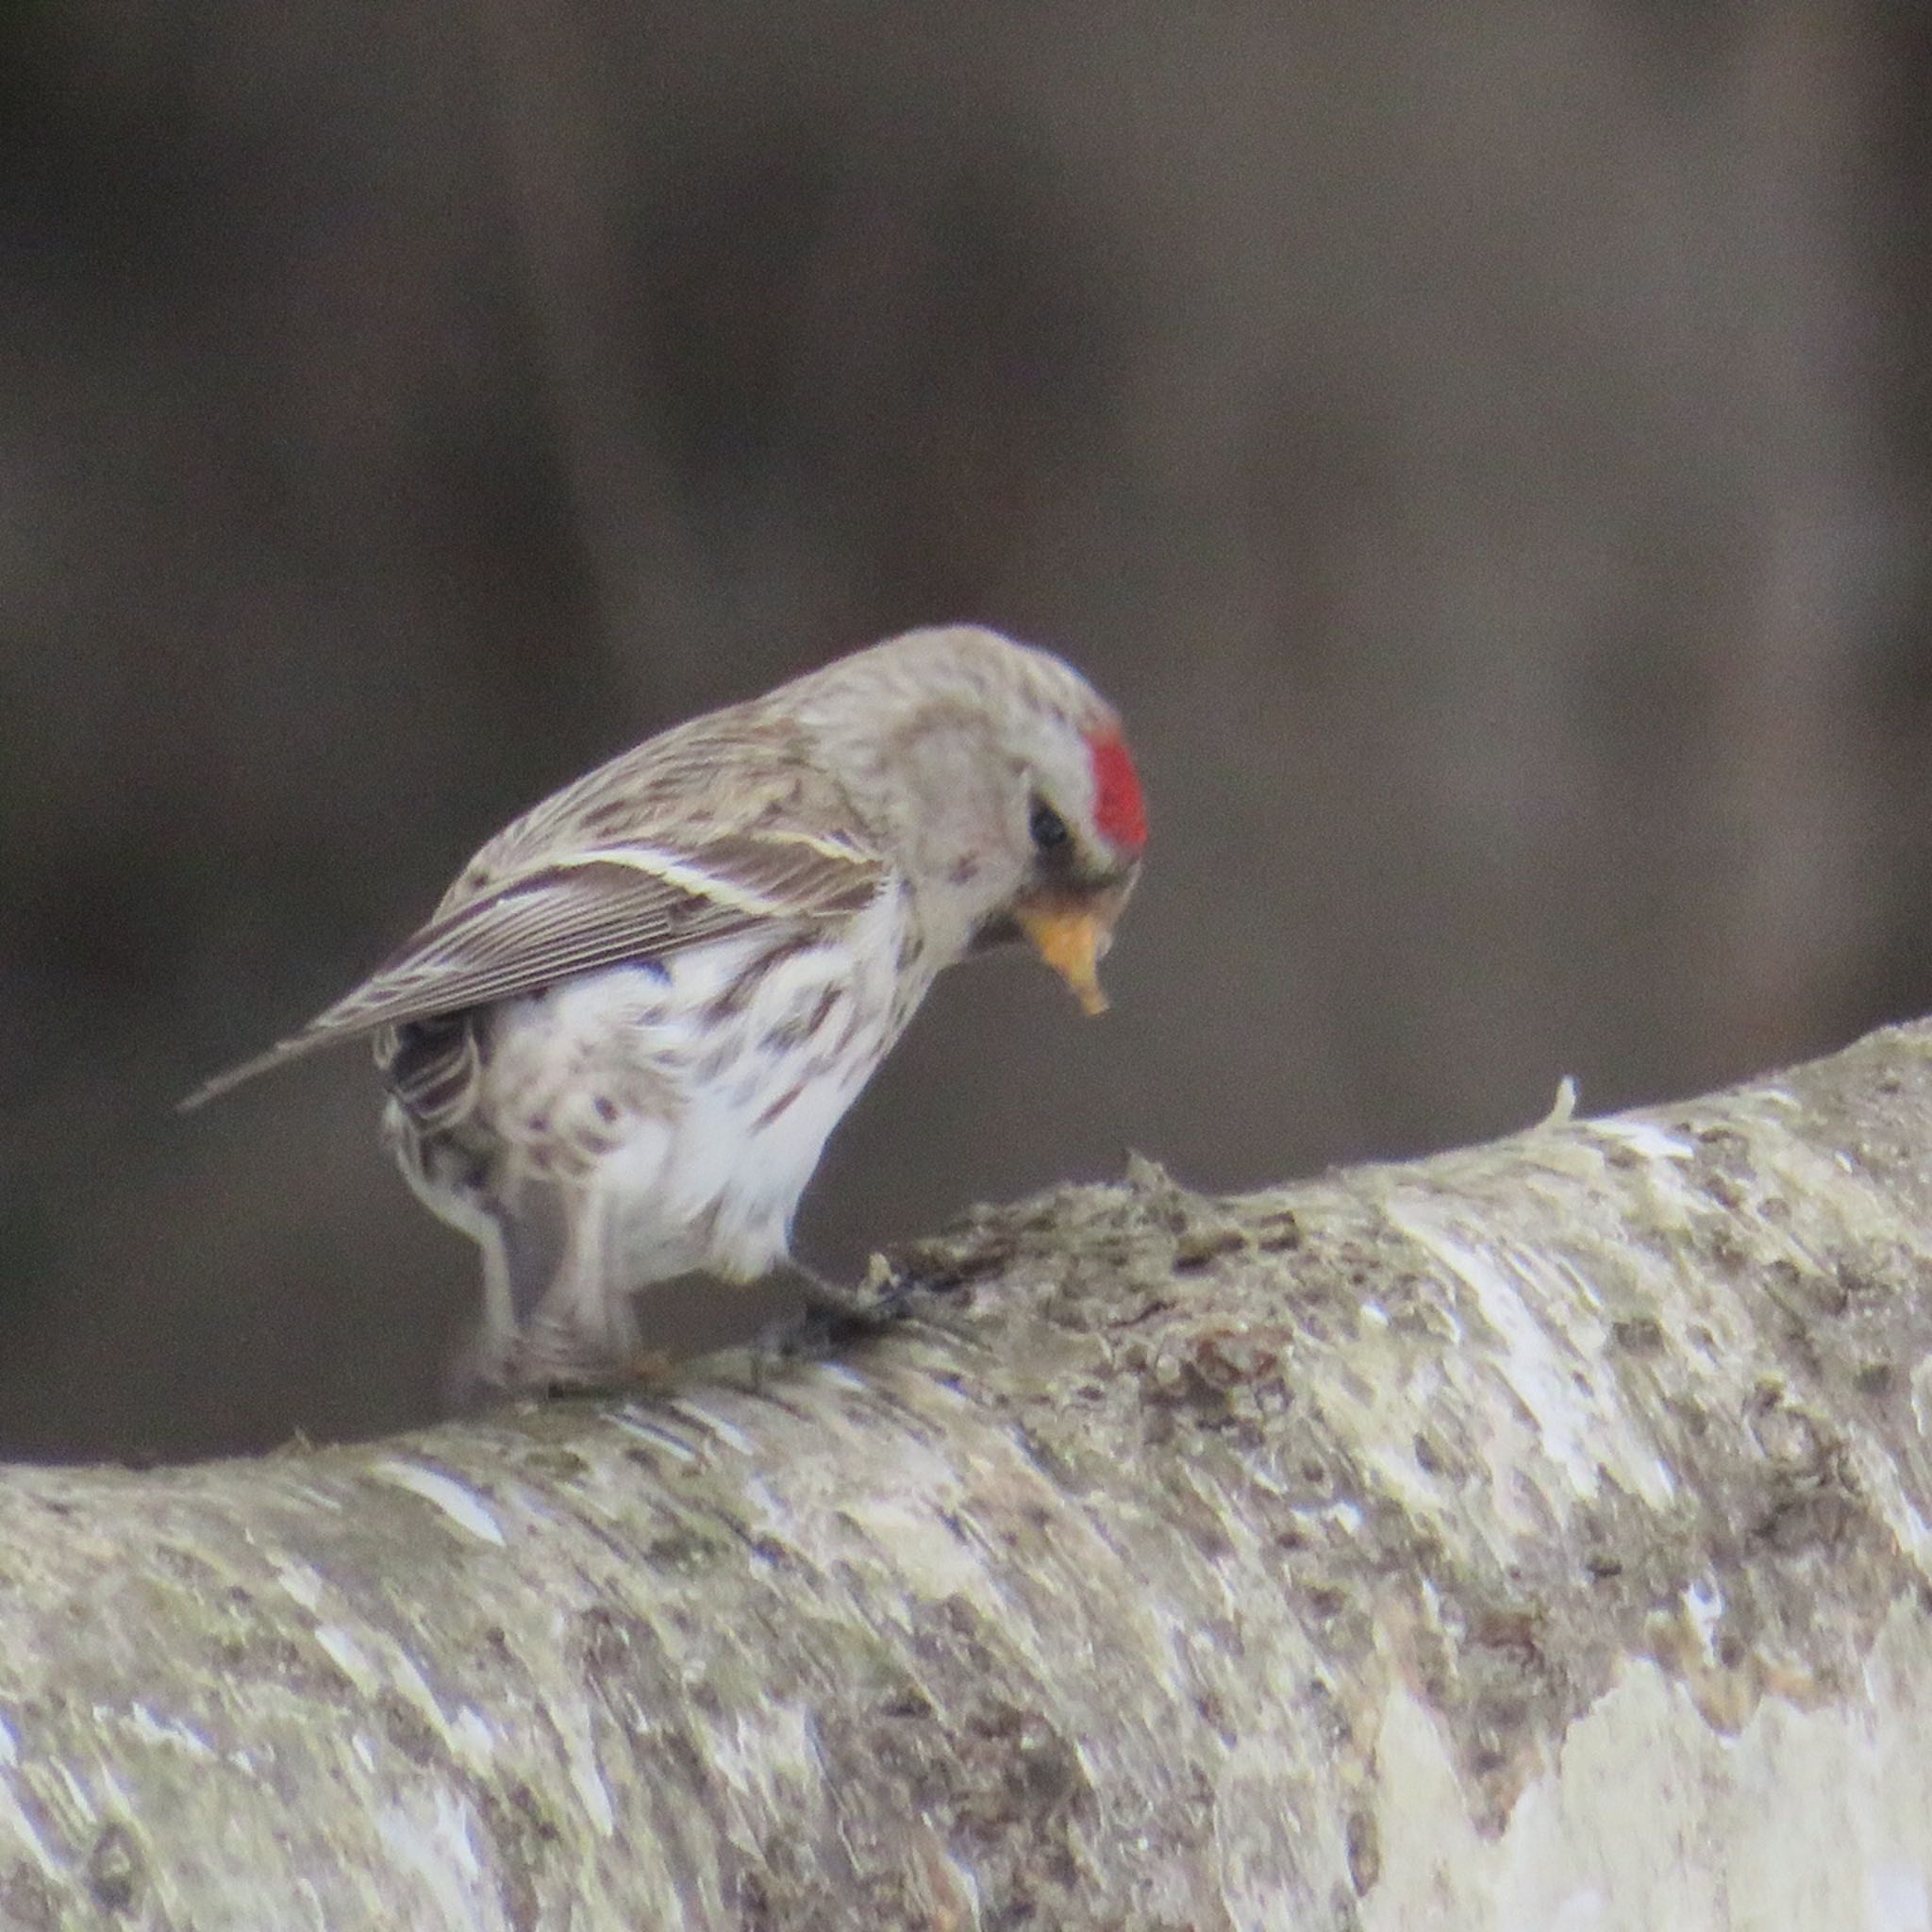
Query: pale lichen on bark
(1535, 1535)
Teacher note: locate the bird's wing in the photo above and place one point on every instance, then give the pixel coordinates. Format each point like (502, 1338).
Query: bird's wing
(537, 906)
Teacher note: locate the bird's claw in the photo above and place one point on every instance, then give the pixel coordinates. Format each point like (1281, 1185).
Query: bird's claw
(837, 1314)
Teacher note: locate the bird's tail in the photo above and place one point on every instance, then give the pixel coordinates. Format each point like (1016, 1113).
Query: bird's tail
(297, 1046)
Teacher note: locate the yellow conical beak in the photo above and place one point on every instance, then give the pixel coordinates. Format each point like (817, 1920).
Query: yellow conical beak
(1071, 942)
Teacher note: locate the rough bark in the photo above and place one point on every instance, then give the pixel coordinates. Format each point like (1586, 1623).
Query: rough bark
(1532, 1536)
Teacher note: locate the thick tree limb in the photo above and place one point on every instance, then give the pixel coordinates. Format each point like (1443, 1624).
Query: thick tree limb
(1535, 1535)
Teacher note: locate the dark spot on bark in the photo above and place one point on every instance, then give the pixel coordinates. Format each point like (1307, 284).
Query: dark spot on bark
(1364, 1851)
(259, 1657)
(1805, 1291)
(1049, 1770)
(606, 1108)
(27, 1901)
(185, 1565)
(1727, 1255)
(1050, 1462)
(690, 1769)
(1875, 1379)
(539, 1123)
(679, 1550)
(1229, 1358)
(113, 1870)
(1638, 1334)
(960, 1644)
(1279, 1233)
(1855, 1285)
(1195, 1250)
(522, 1833)
(1807, 1517)
(939, 1267)
(1202, 1394)
(1426, 1458)
(1514, 1631)
(605, 1641)
(409, 1732)
(1722, 1192)
(752, 1900)
(1213, 1713)
(1325, 1600)
(1025, 1775)
(1157, 1304)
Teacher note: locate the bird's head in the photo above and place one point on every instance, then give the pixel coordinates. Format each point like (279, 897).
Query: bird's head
(1002, 781)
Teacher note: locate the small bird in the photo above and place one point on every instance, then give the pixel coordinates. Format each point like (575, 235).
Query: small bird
(615, 1053)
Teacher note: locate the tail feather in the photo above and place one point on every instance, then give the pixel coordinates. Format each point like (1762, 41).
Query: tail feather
(297, 1046)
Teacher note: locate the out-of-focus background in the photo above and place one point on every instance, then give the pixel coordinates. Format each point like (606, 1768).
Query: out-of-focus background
(1486, 450)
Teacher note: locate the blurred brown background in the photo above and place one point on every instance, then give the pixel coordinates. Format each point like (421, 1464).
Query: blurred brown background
(1486, 449)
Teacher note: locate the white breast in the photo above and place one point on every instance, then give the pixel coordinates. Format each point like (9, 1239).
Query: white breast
(682, 1110)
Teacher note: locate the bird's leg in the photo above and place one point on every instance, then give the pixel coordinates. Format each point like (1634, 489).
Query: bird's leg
(488, 1364)
(823, 1296)
(836, 1311)
(556, 1358)
(581, 1334)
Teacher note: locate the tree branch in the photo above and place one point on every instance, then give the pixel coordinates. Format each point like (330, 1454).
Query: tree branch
(1539, 1529)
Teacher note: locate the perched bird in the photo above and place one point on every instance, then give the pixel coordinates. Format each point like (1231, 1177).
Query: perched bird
(616, 1051)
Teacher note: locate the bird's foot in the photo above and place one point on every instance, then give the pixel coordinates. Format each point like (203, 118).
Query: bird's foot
(556, 1357)
(648, 1369)
(837, 1312)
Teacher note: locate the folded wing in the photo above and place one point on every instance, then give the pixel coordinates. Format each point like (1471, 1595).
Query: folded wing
(589, 908)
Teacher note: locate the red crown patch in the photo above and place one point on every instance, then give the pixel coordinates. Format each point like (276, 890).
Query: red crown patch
(1118, 807)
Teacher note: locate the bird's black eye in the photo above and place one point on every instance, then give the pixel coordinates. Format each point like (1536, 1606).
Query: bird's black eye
(1048, 829)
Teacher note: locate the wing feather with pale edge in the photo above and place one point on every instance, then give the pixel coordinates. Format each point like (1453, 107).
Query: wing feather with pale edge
(516, 921)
